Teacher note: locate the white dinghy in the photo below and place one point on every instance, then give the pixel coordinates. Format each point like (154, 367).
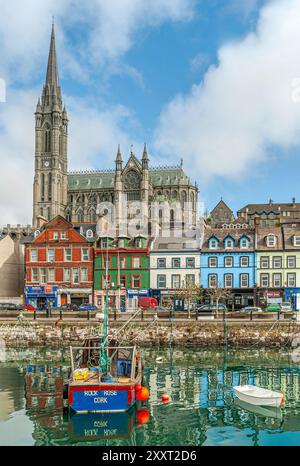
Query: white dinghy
(259, 396)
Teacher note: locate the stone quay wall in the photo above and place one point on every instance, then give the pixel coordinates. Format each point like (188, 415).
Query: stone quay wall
(276, 334)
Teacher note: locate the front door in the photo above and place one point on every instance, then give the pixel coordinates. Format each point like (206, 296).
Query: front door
(64, 300)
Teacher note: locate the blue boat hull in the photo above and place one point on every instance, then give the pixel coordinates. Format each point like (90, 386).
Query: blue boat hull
(101, 398)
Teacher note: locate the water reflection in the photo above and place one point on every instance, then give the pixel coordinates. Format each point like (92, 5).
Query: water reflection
(202, 408)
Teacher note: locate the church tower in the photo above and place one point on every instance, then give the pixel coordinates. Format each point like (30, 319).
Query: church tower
(51, 146)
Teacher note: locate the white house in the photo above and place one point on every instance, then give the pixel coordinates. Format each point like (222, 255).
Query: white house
(173, 264)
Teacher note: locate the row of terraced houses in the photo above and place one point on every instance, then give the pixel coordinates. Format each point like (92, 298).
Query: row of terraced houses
(259, 260)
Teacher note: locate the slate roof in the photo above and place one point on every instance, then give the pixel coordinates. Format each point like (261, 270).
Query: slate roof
(276, 208)
(288, 237)
(235, 233)
(175, 244)
(262, 233)
(97, 180)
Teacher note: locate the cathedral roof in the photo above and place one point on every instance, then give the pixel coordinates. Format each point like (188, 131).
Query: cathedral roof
(97, 180)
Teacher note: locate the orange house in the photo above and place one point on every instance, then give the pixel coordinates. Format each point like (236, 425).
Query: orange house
(58, 266)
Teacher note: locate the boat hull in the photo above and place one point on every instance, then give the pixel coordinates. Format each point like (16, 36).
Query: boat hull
(275, 402)
(101, 398)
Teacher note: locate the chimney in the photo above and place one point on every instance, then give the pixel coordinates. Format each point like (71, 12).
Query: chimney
(294, 200)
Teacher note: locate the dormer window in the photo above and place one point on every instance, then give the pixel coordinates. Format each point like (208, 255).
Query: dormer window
(244, 244)
(55, 235)
(213, 243)
(139, 243)
(89, 234)
(104, 243)
(271, 241)
(121, 243)
(228, 243)
(37, 233)
(297, 241)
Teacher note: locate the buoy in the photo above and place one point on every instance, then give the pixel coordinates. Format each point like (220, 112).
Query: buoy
(282, 401)
(143, 394)
(165, 398)
(138, 388)
(142, 416)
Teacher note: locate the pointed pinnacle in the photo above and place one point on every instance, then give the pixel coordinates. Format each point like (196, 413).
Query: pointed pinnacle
(52, 71)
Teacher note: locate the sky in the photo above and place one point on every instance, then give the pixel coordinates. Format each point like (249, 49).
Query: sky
(215, 82)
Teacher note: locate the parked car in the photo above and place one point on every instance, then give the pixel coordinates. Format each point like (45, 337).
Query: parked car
(29, 307)
(10, 307)
(66, 307)
(147, 303)
(87, 307)
(211, 308)
(250, 309)
(286, 306)
(273, 308)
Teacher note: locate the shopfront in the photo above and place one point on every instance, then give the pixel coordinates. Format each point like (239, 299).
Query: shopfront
(133, 296)
(293, 295)
(41, 297)
(75, 296)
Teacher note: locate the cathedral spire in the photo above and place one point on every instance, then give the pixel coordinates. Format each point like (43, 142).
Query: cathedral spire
(145, 158)
(52, 69)
(119, 160)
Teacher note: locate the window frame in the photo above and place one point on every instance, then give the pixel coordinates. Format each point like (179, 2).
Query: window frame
(262, 277)
(65, 254)
(228, 275)
(241, 262)
(48, 251)
(158, 281)
(243, 275)
(209, 262)
(275, 258)
(231, 262)
(294, 262)
(161, 259)
(274, 279)
(173, 262)
(210, 276)
(177, 276)
(193, 262)
(31, 250)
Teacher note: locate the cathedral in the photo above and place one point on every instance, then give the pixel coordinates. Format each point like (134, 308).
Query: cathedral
(77, 195)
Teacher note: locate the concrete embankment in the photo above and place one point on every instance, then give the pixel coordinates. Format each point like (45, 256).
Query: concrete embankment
(275, 334)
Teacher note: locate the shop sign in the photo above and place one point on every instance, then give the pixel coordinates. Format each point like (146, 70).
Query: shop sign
(136, 292)
(273, 294)
(40, 290)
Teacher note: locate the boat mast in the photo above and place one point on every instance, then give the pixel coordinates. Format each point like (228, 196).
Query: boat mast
(104, 360)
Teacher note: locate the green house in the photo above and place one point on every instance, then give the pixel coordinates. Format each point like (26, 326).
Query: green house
(126, 263)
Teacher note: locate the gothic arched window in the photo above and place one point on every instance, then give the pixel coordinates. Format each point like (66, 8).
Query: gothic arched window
(43, 186)
(171, 219)
(50, 186)
(47, 139)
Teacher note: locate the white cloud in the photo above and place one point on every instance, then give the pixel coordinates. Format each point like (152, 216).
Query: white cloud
(88, 34)
(244, 105)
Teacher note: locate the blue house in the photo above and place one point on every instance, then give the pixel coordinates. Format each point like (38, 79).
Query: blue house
(228, 261)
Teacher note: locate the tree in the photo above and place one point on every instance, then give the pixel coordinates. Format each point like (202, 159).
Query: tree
(190, 292)
(217, 293)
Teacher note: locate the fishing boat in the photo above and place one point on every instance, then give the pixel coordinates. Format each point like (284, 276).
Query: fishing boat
(105, 376)
(259, 396)
(104, 383)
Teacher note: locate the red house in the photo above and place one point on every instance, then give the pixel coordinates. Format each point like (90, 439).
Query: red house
(58, 266)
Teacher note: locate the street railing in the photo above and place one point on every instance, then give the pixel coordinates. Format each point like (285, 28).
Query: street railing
(160, 314)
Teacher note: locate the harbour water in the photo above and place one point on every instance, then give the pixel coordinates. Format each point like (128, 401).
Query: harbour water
(202, 408)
